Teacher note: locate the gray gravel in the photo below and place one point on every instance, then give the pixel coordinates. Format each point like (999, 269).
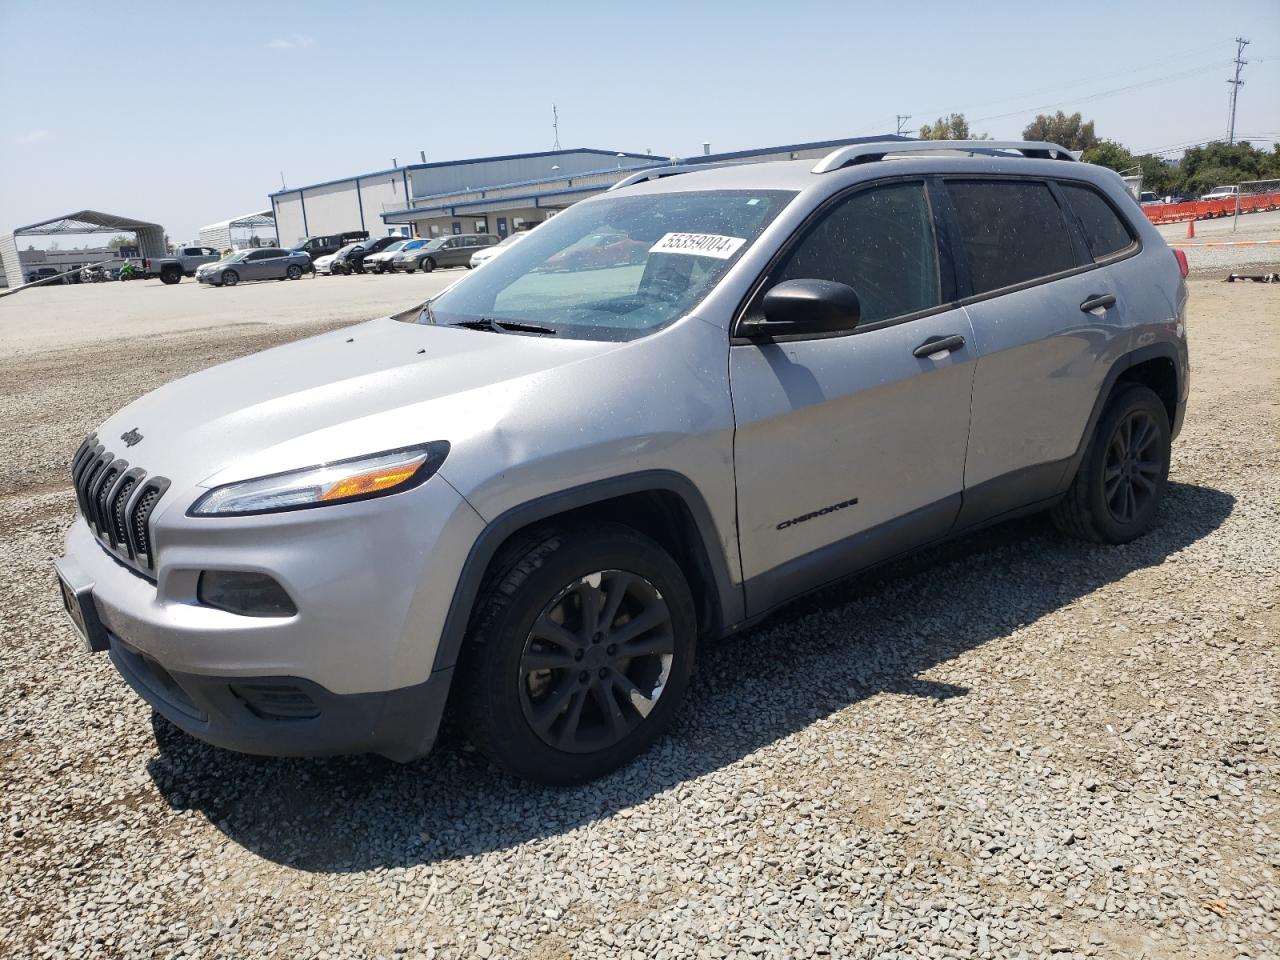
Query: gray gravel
(1016, 746)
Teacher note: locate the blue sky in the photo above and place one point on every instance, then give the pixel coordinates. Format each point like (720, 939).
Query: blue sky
(186, 114)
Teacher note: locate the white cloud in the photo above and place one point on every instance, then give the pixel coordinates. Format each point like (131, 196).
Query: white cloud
(31, 136)
(292, 41)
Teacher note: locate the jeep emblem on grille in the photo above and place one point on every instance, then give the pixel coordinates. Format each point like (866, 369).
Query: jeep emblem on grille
(130, 438)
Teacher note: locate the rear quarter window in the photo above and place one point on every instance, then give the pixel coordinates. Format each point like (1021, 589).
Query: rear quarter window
(1011, 232)
(1104, 230)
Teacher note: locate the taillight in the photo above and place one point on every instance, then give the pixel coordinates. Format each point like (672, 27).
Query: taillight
(1182, 261)
(146, 265)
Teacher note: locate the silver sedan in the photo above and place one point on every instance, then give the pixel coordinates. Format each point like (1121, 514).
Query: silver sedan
(266, 263)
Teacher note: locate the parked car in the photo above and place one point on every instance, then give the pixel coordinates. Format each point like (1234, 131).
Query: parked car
(380, 262)
(1222, 193)
(487, 253)
(324, 265)
(337, 261)
(406, 258)
(320, 246)
(1147, 197)
(265, 263)
(184, 262)
(351, 258)
(452, 251)
(532, 495)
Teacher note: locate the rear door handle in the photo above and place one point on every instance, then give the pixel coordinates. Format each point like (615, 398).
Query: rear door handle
(936, 345)
(1098, 300)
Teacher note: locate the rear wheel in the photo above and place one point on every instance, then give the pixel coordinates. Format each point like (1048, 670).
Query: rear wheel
(230, 278)
(171, 275)
(581, 651)
(294, 272)
(1117, 491)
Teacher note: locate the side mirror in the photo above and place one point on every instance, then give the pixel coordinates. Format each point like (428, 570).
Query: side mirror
(807, 307)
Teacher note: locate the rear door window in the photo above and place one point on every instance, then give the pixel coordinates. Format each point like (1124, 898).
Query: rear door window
(1011, 232)
(879, 242)
(1104, 231)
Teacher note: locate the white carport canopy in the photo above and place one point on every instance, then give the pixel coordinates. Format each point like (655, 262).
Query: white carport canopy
(150, 236)
(218, 235)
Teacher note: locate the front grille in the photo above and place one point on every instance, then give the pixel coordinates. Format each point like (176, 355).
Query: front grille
(117, 501)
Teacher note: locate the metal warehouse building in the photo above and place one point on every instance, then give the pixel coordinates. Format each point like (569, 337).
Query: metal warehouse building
(358, 203)
(498, 195)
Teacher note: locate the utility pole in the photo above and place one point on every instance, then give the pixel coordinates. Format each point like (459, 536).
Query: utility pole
(555, 126)
(902, 118)
(1236, 83)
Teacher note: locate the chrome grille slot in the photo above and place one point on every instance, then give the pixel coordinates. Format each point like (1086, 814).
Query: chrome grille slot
(117, 502)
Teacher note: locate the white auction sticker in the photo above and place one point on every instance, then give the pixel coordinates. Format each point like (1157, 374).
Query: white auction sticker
(699, 245)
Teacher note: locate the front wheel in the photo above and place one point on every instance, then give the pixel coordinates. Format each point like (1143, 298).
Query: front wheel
(427, 264)
(1117, 490)
(294, 272)
(230, 278)
(580, 653)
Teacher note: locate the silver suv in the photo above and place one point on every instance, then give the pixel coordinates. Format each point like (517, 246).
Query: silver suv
(531, 497)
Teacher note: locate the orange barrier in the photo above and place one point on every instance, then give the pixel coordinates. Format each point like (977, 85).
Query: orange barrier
(1207, 209)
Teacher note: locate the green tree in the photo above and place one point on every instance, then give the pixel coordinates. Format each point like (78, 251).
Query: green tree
(1070, 131)
(954, 127)
(1108, 153)
(1214, 164)
(118, 241)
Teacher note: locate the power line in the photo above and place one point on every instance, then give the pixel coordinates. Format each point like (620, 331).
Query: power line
(1236, 83)
(1076, 101)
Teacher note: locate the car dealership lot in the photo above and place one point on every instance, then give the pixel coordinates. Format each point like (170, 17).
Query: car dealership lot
(1015, 743)
(47, 318)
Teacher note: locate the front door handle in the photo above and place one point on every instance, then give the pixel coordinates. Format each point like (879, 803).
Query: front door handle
(936, 345)
(1098, 300)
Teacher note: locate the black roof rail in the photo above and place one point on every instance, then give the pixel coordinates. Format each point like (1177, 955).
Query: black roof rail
(871, 152)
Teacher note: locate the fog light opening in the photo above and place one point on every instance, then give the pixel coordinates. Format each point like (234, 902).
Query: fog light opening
(246, 594)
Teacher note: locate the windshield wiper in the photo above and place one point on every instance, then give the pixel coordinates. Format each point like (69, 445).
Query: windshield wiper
(505, 326)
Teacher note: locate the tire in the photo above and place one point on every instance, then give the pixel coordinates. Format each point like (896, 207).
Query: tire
(539, 707)
(230, 278)
(427, 264)
(410, 269)
(170, 276)
(294, 272)
(1117, 490)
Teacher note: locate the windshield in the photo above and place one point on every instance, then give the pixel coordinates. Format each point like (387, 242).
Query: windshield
(393, 247)
(614, 268)
(348, 248)
(412, 245)
(237, 256)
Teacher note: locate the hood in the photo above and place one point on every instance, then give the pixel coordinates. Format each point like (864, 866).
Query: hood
(359, 390)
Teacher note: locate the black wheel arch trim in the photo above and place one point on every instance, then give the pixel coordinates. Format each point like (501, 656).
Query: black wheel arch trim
(1162, 350)
(725, 594)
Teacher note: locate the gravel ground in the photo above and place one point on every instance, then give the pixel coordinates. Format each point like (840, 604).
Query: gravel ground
(1015, 746)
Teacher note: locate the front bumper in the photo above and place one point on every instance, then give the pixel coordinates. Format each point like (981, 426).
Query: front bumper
(288, 716)
(372, 582)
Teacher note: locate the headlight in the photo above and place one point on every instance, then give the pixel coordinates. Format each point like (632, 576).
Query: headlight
(360, 478)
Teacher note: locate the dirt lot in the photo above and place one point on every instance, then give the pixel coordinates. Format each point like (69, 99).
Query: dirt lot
(1014, 746)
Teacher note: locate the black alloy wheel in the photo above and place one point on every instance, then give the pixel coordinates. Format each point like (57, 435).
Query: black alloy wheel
(596, 661)
(580, 652)
(1132, 471)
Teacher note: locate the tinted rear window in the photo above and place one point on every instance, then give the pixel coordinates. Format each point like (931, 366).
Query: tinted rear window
(1012, 231)
(1104, 231)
